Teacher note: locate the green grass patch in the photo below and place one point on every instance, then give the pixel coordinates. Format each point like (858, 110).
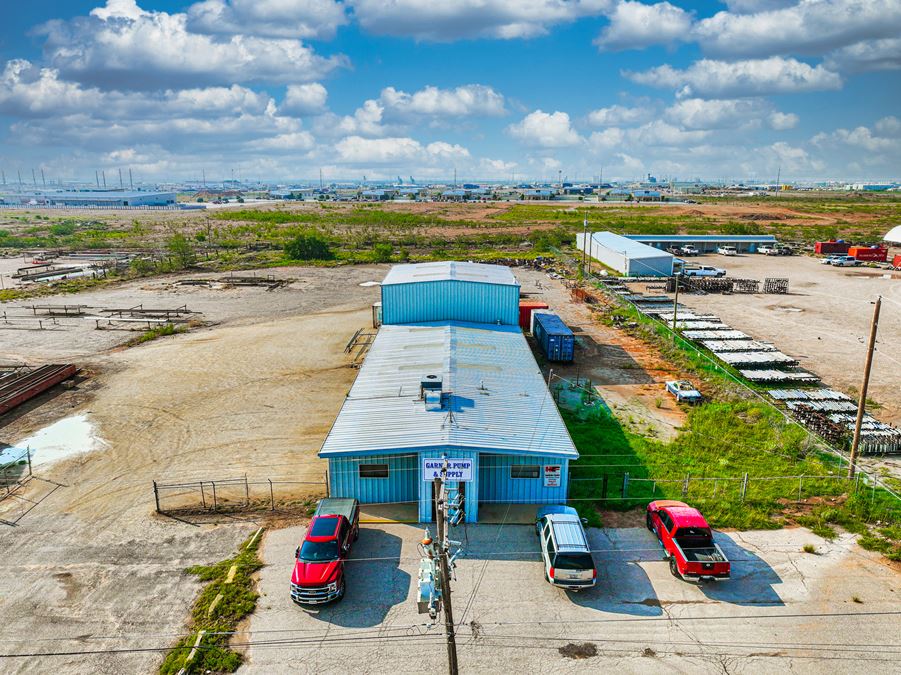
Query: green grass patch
(154, 333)
(239, 598)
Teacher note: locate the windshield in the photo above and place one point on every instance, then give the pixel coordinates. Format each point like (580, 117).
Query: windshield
(318, 551)
(574, 561)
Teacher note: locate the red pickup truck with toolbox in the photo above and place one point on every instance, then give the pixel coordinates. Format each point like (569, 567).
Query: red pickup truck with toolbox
(318, 575)
(687, 541)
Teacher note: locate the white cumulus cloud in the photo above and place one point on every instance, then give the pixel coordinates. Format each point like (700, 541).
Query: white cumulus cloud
(545, 130)
(808, 27)
(635, 25)
(467, 19)
(357, 150)
(720, 79)
(304, 99)
(467, 100)
(305, 19)
(123, 46)
(616, 115)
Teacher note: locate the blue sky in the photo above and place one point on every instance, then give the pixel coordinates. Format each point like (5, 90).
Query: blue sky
(277, 89)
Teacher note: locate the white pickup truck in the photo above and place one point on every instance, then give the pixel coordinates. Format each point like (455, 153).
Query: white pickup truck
(704, 271)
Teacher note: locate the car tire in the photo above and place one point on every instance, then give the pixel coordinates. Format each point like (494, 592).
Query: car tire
(674, 567)
(342, 589)
(647, 520)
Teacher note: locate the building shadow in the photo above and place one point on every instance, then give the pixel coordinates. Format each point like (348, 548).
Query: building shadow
(375, 583)
(623, 587)
(753, 579)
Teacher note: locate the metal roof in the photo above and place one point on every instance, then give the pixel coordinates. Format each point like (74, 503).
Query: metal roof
(705, 238)
(498, 401)
(628, 247)
(450, 270)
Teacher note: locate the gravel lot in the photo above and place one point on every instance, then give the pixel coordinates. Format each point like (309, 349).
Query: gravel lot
(91, 563)
(783, 610)
(824, 321)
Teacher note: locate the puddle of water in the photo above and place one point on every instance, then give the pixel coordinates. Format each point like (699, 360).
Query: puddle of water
(65, 438)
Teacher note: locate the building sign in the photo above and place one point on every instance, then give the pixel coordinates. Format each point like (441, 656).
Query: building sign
(552, 475)
(459, 470)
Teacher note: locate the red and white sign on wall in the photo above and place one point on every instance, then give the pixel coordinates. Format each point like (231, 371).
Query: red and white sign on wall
(552, 475)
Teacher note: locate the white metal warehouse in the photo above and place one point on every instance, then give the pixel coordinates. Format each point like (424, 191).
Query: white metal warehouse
(628, 257)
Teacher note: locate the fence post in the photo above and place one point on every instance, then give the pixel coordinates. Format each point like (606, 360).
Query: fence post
(271, 496)
(246, 491)
(604, 487)
(625, 484)
(685, 485)
(800, 483)
(215, 503)
(327, 491)
(857, 482)
(28, 455)
(744, 486)
(156, 497)
(202, 496)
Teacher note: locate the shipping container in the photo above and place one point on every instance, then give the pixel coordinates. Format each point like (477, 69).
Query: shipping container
(832, 247)
(555, 338)
(896, 261)
(526, 307)
(869, 253)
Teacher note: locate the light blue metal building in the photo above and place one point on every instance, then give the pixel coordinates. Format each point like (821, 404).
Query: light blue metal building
(471, 392)
(450, 291)
(706, 242)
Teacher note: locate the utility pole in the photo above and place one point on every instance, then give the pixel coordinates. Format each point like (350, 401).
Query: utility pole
(861, 404)
(441, 523)
(584, 242)
(131, 180)
(97, 178)
(675, 307)
(43, 179)
(103, 175)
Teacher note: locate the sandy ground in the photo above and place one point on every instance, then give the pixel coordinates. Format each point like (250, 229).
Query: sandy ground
(824, 321)
(783, 610)
(628, 376)
(253, 395)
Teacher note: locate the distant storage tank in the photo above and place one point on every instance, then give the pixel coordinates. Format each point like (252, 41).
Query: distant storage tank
(526, 307)
(556, 339)
(869, 253)
(832, 248)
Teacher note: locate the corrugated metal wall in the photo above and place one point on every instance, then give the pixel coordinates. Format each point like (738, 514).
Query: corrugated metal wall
(644, 267)
(401, 485)
(450, 301)
(497, 485)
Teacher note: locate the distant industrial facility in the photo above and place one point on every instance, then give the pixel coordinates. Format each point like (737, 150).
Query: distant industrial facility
(450, 374)
(88, 199)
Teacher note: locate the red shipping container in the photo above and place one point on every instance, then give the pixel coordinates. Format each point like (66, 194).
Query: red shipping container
(896, 261)
(877, 254)
(526, 307)
(831, 248)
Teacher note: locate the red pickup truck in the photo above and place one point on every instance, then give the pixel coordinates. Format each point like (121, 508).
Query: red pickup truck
(687, 541)
(319, 561)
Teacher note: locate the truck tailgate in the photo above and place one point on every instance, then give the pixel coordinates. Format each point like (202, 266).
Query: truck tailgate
(337, 507)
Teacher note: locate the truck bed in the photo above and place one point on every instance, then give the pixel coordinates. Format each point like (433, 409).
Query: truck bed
(337, 507)
(711, 554)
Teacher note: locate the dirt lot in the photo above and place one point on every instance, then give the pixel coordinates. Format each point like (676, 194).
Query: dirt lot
(628, 376)
(254, 394)
(824, 321)
(784, 610)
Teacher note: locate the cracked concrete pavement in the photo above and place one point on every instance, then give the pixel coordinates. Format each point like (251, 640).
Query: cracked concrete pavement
(783, 609)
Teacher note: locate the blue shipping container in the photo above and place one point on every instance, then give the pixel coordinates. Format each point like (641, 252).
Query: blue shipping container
(556, 339)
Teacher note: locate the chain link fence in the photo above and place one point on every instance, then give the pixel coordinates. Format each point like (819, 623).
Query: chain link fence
(234, 494)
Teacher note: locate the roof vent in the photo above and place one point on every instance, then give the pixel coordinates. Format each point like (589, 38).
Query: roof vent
(430, 383)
